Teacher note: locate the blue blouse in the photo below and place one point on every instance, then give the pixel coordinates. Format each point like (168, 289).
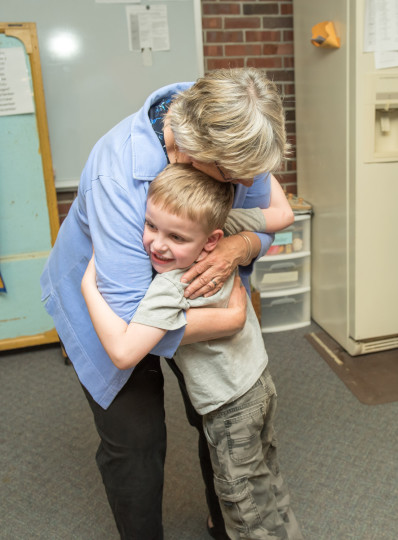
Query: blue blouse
(108, 214)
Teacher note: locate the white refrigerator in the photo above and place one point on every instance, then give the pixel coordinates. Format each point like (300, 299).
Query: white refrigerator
(347, 166)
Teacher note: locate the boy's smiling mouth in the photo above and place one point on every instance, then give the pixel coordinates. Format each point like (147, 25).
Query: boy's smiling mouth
(160, 258)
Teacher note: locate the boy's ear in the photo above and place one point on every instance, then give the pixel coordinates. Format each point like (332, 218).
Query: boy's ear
(211, 243)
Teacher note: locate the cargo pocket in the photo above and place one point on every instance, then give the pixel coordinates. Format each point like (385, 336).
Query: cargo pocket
(244, 435)
(237, 501)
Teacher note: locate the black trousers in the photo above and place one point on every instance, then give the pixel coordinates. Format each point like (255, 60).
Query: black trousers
(132, 451)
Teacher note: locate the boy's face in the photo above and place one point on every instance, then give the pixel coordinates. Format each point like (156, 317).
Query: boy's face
(171, 241)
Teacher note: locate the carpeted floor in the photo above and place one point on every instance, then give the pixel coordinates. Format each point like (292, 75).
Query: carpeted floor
(338, 455)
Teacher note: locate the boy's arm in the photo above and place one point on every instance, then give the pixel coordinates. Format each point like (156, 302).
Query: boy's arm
(234, 316)
(126, 344)
(274, 218)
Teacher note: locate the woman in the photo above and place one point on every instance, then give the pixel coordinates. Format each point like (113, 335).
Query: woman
(229, 124)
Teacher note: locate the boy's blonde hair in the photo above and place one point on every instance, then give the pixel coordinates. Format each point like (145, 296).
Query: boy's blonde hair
(234, 117)
(184, 191)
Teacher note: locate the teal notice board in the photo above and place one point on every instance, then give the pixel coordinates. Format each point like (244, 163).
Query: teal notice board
(28, 208)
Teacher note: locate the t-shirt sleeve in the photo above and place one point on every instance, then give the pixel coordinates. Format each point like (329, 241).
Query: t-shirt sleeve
(244, 219)
(163, 305)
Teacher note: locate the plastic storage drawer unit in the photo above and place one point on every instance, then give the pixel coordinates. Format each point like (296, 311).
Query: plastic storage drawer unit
(285, 312)
(282, 277)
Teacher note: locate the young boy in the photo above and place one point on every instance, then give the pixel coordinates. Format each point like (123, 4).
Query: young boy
(227, 379)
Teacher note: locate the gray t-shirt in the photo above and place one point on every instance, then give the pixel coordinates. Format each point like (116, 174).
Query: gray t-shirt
(217, 371)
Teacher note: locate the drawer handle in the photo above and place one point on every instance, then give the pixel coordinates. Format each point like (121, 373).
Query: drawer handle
(285, 300)
(282, 266)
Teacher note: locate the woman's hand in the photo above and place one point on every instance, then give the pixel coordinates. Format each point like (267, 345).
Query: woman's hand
(210, 274)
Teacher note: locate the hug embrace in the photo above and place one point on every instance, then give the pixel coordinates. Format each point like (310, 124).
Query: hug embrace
(178, 201)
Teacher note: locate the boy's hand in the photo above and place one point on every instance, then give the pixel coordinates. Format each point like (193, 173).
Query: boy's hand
(210, 274)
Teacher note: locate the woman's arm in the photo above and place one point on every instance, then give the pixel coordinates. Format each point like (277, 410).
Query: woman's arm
(276, 217)
(279, 214)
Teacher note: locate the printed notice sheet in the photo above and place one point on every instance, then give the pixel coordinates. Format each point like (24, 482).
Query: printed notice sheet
(148, 28)
(381, 32)
(15, 92)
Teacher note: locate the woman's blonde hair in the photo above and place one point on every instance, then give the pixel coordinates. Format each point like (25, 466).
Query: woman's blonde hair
(186, 192)
(233, 117)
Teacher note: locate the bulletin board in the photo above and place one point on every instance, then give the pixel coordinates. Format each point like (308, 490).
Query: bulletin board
(92, 78)
(28, 207)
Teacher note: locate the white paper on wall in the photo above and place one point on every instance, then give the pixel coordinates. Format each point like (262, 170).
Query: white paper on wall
(381, 32)
(15, 91)
(148, 28)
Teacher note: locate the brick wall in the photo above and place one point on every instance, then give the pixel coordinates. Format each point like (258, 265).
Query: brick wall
(255, 33)
(64, 199)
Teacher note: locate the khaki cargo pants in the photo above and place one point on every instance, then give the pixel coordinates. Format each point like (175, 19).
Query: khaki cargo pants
(254, 500)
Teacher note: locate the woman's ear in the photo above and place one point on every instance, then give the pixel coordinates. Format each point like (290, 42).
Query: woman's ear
(211, 243)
